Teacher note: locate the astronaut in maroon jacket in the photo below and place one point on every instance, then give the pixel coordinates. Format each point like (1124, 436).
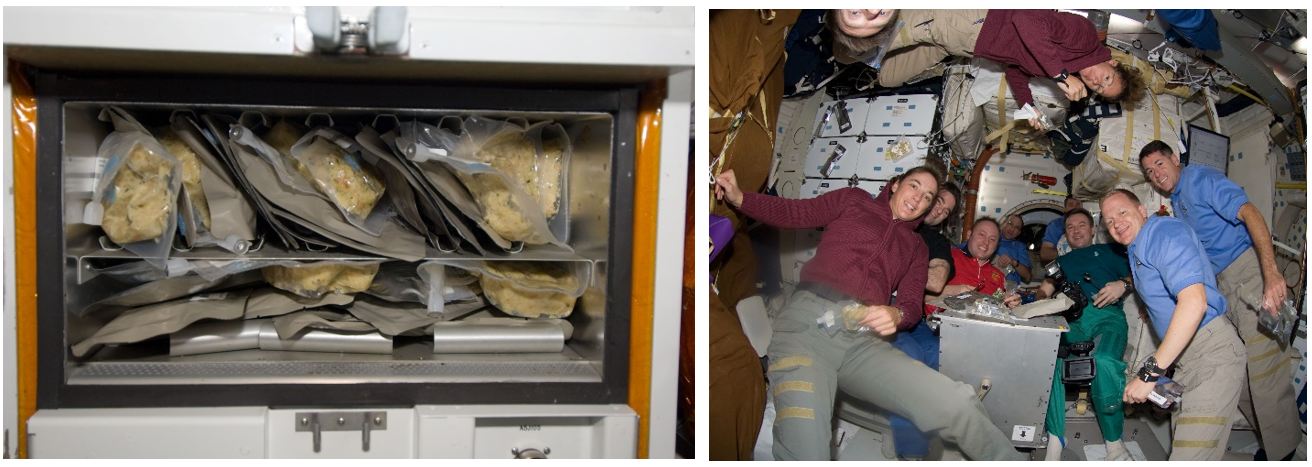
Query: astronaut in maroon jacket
(1051, 44)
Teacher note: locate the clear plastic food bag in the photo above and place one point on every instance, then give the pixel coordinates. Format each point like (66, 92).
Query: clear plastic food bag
(845, 316)
(1166, 392)
(135, 200)
(991, 308)
(340, 174)
(190, 172)
(501, 166)
(315, 279)
(1281, 325)
(529, 289)
(977, 304)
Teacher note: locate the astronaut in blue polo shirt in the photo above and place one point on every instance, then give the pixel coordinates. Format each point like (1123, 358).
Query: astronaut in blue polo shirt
(1174, 278)
(1049, 250)
(1238, 245)
(1012, 252)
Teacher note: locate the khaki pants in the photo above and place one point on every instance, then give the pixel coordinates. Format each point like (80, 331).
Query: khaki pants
(1268, 401)
(1212, 370)
(737, 389)
(807, 366)
(926, 38)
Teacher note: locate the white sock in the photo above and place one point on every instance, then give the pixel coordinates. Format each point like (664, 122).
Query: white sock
(1116, 450)
(1054, 448)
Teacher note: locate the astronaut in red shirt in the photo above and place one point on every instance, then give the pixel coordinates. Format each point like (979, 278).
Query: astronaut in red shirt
(974, 269)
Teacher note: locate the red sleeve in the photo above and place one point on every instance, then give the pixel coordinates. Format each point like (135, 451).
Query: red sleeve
(1019, 82)
(1039, 31)
(911, 289)
(798, 213)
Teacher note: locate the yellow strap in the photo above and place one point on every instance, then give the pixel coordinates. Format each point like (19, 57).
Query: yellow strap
(902, 32)
(804, 386)
(1203, 421)
(1000, 132)
(1129, 135)
(789, 362)
(794, 412)
(1264, 356)
(1179, 443)
(1263, 375)
(1121, 167)
(1002, 117)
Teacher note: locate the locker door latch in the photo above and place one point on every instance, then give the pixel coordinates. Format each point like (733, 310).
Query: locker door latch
(385, 32)
(530, 453)
(319, 422)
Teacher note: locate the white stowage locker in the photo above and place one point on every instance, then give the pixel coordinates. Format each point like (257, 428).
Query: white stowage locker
(871, 186)
(885, 157)
(901, 115)
(813, 187)
(807, 241)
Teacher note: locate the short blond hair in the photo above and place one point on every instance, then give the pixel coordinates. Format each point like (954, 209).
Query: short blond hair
(1121, 191)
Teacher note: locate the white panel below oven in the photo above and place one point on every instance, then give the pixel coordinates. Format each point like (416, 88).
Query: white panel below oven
(498, 431)
(171, 433)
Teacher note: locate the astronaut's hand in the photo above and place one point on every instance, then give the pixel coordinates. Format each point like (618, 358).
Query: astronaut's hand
(1136, 391)
(882, 319)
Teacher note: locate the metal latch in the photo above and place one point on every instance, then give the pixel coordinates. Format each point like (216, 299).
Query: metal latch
(384, 32)
(530, 453)
(318, 422)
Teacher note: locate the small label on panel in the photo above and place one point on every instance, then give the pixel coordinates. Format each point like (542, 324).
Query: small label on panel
(1022, 433)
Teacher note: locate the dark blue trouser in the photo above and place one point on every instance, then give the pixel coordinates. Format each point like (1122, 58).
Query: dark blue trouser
(921, 345)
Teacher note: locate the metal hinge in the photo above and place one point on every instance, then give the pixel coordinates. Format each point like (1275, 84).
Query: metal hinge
(318, 422)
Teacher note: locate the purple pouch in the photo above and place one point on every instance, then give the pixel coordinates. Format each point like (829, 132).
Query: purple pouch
(721, 229)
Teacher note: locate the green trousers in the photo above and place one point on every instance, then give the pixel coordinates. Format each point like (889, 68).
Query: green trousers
(1106, 325)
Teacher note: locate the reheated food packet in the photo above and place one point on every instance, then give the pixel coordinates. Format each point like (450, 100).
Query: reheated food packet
(529, 289)
(135, 200)
(499, 163)
(335, 165)
(315, 279)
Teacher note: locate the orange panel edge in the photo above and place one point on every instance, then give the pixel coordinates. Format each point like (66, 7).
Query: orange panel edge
(645, 189)
(24, 141)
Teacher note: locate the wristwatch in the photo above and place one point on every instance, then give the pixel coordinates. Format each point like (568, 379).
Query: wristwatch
(1150, 371)
(1061, 77)
(1129, 287)
(1146, 376)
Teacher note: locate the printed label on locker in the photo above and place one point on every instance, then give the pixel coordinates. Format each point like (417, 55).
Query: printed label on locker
(1022, 433)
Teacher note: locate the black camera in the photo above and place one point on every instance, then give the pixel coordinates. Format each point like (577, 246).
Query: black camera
(1071, 289)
